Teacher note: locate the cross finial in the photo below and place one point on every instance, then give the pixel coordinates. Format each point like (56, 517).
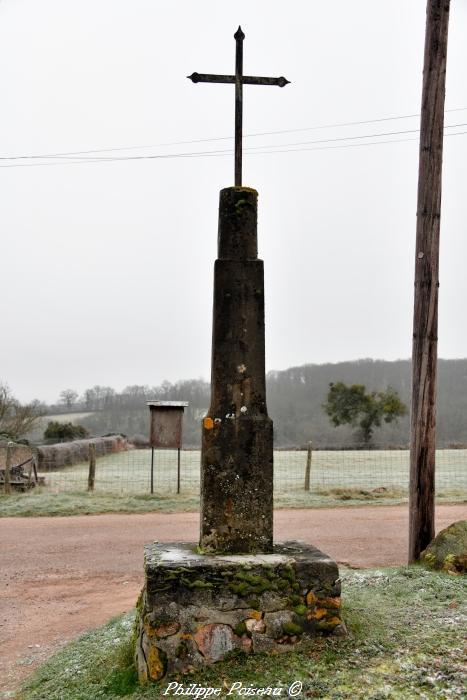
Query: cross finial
(239, 35)
(239, 80)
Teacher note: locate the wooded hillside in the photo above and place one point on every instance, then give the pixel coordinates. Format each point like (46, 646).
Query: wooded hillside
(295, 398)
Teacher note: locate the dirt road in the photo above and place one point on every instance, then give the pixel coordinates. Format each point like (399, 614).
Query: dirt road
(60, 577)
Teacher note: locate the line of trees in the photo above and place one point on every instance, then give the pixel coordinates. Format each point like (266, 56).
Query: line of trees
(296, 400)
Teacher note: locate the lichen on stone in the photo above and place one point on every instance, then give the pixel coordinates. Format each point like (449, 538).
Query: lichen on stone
(157, 662)
(448, 550)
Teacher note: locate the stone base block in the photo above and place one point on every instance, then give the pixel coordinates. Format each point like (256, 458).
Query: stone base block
(195, 608)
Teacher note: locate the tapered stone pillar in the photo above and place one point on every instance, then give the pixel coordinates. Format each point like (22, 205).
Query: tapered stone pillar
(237, 439)
(199, 604)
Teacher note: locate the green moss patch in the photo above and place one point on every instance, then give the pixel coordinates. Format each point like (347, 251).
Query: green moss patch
(448, 550)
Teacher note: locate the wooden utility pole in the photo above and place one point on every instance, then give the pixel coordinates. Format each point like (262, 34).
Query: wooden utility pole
(425, 319)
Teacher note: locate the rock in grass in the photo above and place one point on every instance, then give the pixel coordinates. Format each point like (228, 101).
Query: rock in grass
(448, 550)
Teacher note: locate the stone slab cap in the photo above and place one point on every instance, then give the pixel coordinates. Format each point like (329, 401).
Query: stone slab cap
(190, 553)
(168, 404)
(187, 556)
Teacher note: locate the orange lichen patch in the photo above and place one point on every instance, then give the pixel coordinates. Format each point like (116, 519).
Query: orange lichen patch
(155, 664)
(329, 624)
(150, 631)
(185, 635)
(256, 614)
(311, 598)
(330, 602)
(167, 630)
(208, 423)
(317, 614)
(334, 621)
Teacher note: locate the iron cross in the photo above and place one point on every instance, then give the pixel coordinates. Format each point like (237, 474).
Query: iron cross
(239, 79)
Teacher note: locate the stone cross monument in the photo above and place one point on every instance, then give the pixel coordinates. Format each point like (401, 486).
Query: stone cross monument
(236, 591)
(237, 440)
(240, 80)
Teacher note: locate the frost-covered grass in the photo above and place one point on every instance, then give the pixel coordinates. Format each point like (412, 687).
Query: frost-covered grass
(128, 472)
(406, 640)
(350, 477)
(42, 502)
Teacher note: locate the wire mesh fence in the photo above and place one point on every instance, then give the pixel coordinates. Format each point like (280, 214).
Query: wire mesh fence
(129, 471)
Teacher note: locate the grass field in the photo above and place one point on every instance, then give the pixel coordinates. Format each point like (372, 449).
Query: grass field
(129, 472)
(337, 478)
(406, 630)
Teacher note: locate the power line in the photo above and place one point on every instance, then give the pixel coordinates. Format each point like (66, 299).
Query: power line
(220, 138)
(351, 138)
(272, 146)
(262, 146)
(216, 153)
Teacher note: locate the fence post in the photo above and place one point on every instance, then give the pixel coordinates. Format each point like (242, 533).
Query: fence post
(92, 466)
(178, 471)
(308, 466)
(7, 486)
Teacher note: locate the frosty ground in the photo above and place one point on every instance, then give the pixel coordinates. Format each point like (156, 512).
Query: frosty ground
(61, 577)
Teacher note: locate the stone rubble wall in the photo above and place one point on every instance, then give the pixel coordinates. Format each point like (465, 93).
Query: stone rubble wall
(192, 616)
(64, 454)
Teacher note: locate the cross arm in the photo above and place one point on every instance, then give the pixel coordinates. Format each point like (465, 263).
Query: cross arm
(246, 79)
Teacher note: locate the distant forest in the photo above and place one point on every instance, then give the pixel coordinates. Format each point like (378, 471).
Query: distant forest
(295, 399)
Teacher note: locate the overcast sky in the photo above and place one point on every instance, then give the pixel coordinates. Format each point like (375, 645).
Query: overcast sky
(107, 266)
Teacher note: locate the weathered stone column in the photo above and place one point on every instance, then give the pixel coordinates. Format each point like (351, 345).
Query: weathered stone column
(237, 439)
(198, 605)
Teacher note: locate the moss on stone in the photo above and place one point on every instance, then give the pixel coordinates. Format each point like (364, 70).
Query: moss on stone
(241, 588)
(282, 585)
(291, 629)
(300, 609)
(245, 189)
(140, 602)
(296, 599)
(246, 584)
(240, 629)
(288, 573)
(448, 550)
(198, 583)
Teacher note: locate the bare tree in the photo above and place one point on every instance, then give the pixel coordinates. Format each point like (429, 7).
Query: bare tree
(17, 420)
(68, 397)
(98, 398)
